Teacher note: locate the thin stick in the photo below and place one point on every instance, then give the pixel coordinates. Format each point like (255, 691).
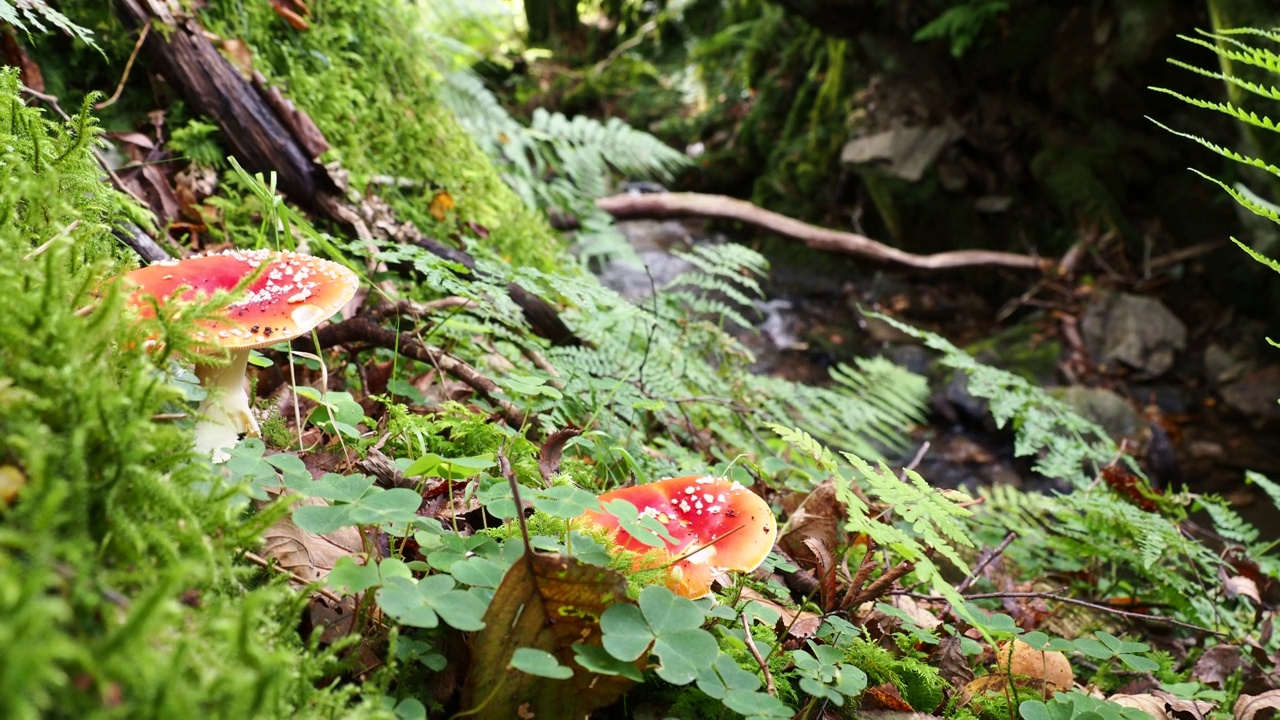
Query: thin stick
(915, 461)
(751, 645)
(262, 562)
(1072, 601)
(49, 243)
(977, 570)
(146, 28)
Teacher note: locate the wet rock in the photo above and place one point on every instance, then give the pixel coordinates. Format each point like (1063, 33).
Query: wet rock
(1139, 332)
(780, 324)
(905, 152)
(1023, 350)
(1255, 393)
(957, 405)
(912, 357)
(1107, 409)
(656, 234)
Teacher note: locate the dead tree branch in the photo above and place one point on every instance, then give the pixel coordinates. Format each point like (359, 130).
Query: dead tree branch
(666, 205)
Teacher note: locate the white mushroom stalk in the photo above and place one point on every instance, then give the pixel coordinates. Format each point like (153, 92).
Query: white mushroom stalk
(288, 296)
(224, 414)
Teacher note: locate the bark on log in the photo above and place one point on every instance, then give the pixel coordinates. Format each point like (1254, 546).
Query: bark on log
(669, 205)
(262, 142)
(191, 65)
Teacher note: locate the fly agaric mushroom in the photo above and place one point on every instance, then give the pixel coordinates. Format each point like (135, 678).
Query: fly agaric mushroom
(290, 296)
(717, 526)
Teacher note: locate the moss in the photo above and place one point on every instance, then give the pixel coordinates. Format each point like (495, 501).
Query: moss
(119, 596)
(1020, 350)
(363, 74)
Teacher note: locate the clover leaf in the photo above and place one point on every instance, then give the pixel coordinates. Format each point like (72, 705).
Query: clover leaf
(423, 603)
(667, 625)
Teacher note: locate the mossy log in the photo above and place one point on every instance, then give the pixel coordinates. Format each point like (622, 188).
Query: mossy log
(248, 114)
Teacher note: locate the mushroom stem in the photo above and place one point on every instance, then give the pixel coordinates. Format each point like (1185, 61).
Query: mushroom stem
(224, 412)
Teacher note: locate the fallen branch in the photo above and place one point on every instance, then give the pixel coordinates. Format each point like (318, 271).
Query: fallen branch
(362, 329)
(666, 205)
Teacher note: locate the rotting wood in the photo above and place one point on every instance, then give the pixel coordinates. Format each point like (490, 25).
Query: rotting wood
(264, 142)
(670, 205)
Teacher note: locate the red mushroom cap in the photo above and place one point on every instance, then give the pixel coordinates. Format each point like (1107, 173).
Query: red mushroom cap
(718, 523)
(290, 297)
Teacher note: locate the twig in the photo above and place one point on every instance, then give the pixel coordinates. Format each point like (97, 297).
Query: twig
(751, 645)
(146, 28)
(977, 570)
(915, 461)
(49, 243)
(990, 558)
(417, 309)
(1070, 601)
(364, 329)
(661, 205)
(1185, 254)
(880, 586)
(262, 562)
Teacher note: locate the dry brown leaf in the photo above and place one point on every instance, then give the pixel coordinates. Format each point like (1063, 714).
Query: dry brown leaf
(1240, 585)
(292, 14)
(1178, 709)
(952, 665)
(819, 516)
(917, 612)
(1217, 664)
(307, 555)
(1000, 683)
(14, 55)
(552, 449)
(191, 186)
(1257, 707)
(826, 572)
(885, 696)
(1147, 703)
(239, 55)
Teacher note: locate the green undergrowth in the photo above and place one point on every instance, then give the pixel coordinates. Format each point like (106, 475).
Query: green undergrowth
(119, 595)
(120, 588)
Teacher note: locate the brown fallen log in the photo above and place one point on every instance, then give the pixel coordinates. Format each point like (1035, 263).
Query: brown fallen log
(249, 116)
(673, 205)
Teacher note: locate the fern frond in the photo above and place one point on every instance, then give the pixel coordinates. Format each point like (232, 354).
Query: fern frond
(1269, 262)
(1224, 152)
(1271, 93)
(933, 514)
(1226, 108)
(28, 14)
(1244, 53)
